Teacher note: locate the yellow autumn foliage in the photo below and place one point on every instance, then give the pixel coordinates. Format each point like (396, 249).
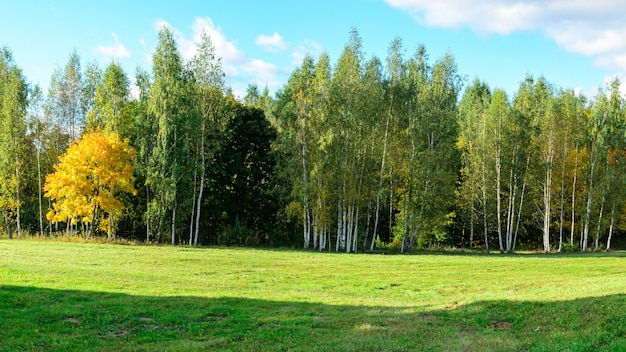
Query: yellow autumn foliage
(88, 179)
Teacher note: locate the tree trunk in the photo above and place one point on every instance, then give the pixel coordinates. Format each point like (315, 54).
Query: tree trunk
(510, 213)
(573, 219)
(344, 223)
(8, 225)
(589, 202)
(18, 202)
(174, 223)
(348, 228)
(306, 223)
(315, 230)
(484, 189)
(597, 239)
(339, 206)
(355, 236)
(472, 220)
(147, 217)
(420, 217)
(306, 215)
(416, 229)
(380, 182)
(367, 222)
(499, 203)
(521, 202)
(202, 177)
(562, 210)
(407, 220)
(193, 207)
(547, 211)
(608, 241)
(39, 193)
(391, 190)
(56, 224)
(199, 202)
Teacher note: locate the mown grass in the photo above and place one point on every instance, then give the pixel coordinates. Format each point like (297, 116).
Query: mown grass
(74, 297)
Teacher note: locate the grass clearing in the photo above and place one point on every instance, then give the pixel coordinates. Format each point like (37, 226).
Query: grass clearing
(67, 296)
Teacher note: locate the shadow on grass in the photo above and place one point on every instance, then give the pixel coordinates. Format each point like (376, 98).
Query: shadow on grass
(34, 319)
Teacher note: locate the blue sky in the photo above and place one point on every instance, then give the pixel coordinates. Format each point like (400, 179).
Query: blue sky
(575, 44)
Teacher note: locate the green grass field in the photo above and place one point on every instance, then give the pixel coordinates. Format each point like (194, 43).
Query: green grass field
(91, 297)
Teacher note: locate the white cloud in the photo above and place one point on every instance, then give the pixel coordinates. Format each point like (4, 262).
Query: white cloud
(239, 68)
(231, 56)
(271, 43)
(591, 28)
(263, 73)
(308, 47)
(606, 85)
(117, 50)
(134, 89)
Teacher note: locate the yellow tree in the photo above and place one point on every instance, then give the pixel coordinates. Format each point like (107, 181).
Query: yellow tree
(87, 180)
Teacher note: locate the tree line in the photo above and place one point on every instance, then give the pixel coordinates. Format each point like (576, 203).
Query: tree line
(367, 153)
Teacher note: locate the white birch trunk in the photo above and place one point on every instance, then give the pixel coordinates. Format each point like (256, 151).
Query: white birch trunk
(349, 225)
(589, 202)
(499, 200)
(193, 207)
(18, 202)
(338, 225)
(608, 241)
(174, 223)
(510, 213)
(562, 210)
(39, 193)
(201, 188)
(597, 239)
(342, 244)
(484, 189)
(484, 183)
(315, 229)
(472, 220)
(498, 151)
(306, 227)
(573, 218)
(521, 203)
(547, 211)
(7, 224)
(407, 227)
(380, 183)
(355, 236)
(147, 217)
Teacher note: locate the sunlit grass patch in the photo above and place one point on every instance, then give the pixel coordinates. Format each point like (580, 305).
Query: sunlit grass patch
(71, 296)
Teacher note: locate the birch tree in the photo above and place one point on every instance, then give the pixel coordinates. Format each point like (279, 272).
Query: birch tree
(110, 111)
(539, 113)
(472, 143)
(345, 92)
(497, 115)
(320, 172)
(170, 112)
(208, 78)
(613, 198)
(436, 160)
(67, 97)
(13, 109)
(597, 141)
(39, 130)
